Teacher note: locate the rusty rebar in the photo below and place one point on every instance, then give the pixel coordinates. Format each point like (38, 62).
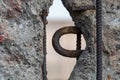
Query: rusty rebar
(57, 46)
(44, 14)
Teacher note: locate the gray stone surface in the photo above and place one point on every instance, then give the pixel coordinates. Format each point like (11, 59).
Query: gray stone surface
(21, 39)
(85, 20)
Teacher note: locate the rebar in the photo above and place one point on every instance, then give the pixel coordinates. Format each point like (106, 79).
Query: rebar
(44, 46)
(57, 46)
(99, 39)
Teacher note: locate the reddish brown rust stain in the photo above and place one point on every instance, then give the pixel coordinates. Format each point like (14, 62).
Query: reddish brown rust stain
(9, 14)
(3, 35)
(17, 58)
(14, 10)
(15, 6)
(2, 38)
(108, 77)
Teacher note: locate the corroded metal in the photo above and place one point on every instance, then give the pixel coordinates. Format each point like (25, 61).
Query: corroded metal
(57, 46)
(44, 15)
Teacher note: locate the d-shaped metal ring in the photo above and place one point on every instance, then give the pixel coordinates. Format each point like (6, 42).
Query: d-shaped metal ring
(57, 46)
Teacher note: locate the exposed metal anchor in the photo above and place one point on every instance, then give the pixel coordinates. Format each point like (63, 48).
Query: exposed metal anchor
(57, 46)
(68, 30)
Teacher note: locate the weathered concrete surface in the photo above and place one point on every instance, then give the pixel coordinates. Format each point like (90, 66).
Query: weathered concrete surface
(21, 39)
(85, 20)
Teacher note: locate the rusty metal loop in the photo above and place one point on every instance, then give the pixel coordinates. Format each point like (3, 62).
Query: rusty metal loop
(57, 46)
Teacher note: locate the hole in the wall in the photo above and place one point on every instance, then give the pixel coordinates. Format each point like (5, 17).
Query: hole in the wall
(59, 67)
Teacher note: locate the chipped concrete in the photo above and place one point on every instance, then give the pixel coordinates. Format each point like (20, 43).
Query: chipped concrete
(85, 20)
(21, 51)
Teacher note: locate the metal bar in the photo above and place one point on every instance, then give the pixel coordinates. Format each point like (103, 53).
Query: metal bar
(78, 43)
(99, 39)
(44, 45)
(56, 44)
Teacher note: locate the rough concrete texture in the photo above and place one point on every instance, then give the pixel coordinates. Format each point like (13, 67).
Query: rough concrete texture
(21, 39)
(85, 20)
